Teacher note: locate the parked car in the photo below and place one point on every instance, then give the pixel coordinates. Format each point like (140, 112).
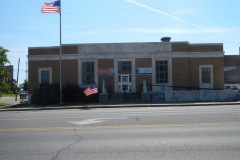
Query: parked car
(236, 88)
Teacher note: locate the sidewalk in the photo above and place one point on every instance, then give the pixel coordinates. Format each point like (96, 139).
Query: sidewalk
(10, 100)
(17, 106)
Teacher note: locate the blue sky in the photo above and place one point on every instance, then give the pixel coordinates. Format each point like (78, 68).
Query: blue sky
(105, 21)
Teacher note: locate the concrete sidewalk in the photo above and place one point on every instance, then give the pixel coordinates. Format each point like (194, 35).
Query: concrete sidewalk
(10, 100)
(17, 106)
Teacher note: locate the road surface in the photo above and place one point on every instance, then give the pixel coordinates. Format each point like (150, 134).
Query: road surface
(203, 132)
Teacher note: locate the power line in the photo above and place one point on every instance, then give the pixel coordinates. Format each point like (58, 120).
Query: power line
(17, 51)
(118, 27)
(205, 5)
(123, 10)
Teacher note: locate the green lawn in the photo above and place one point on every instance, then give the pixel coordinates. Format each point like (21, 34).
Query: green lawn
(3, 105)
(9, 95)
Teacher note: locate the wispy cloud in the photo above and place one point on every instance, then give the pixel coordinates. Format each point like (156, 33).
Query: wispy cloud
(184, 11)
(170, 16)
(190, 31)
(168, 31)
(174, 30)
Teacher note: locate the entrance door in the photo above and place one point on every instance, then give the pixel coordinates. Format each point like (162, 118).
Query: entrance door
(125, 83)
(206, 76)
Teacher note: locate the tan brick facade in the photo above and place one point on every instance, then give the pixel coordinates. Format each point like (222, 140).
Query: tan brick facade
(69, 49)
(184, 61)
(186, 71)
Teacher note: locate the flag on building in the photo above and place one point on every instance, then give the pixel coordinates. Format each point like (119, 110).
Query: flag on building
(51, 7)
(89, 91)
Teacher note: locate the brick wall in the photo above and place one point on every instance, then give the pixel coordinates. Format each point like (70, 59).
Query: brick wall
(69, 72)
(186, 71)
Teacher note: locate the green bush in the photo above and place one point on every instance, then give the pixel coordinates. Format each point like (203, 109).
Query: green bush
(71, 93)
(47, 94)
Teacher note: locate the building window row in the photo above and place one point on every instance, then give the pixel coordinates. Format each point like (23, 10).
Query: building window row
(124, 67)
(87, 73)
(45, 74)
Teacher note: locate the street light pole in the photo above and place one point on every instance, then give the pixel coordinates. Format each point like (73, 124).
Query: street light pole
(17, 79)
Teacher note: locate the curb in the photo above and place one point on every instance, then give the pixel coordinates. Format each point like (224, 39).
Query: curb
(94, 106)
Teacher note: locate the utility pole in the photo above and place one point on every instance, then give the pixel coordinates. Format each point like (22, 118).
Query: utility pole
(26, 71)
(17, 78)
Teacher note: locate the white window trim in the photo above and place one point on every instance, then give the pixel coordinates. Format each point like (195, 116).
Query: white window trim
(116, 60)
(169, 71)
(200, 75)
(80, 61)
(39, 74)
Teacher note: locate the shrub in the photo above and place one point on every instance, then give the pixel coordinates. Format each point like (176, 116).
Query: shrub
(47, 94)
(71, 93)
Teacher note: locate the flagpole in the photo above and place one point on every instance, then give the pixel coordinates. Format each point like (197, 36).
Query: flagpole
(60, 55)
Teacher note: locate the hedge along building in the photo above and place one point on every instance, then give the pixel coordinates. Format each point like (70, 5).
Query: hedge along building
(124, 65)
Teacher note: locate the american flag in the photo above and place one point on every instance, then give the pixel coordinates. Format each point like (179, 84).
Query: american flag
(89, 91)
(52, 7)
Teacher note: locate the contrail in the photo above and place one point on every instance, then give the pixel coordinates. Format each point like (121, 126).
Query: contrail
(168, 15)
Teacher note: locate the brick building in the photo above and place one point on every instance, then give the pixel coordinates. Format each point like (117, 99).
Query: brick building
(9, 79)
(167, 65)
(232, 71)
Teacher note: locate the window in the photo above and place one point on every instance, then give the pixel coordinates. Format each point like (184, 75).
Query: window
(206, 75)
(162, 71)
(124, 66)
(87, 73)
(45, 75)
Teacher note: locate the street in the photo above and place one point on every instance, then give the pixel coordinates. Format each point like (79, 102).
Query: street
(198, 132)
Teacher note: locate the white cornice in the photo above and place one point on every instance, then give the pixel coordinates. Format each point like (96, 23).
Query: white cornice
(122, 55)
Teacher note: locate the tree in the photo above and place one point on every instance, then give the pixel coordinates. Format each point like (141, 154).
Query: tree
(4, 87)
(24, 85)
(14, 87)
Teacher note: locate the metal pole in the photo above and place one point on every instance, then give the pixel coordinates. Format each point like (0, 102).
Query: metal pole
(26, 71)
(60, 65)
(17, 79)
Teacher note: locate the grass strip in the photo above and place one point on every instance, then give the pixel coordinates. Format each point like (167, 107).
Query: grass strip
(10, 95)
(3, 105)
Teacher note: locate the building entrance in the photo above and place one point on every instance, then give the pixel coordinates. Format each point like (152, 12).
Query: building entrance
(125, 83)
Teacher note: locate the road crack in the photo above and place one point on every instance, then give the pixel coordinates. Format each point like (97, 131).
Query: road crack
(137, 118)
(66, 148)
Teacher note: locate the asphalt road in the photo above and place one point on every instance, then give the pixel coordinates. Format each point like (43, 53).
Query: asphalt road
(207, 132)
